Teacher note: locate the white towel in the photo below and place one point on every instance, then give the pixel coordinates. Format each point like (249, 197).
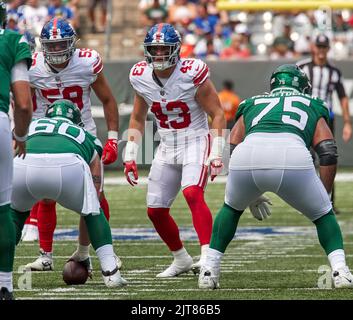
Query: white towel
(90, 200)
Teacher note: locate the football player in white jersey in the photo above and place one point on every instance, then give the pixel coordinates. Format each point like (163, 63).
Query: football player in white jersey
(181, 96)
(61, 71)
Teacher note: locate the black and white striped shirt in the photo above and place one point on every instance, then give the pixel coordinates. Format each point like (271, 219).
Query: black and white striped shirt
(324, 80)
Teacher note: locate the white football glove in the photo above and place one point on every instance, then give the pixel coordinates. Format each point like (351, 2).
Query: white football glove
(260, 209)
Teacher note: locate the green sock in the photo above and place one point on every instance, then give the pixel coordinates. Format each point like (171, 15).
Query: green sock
(224, 227)
(329, 232)
(19, 219)
(7, 239)
(98, 230)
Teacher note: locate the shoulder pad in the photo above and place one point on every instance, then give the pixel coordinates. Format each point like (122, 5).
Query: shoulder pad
(91, 59)
(195, 69)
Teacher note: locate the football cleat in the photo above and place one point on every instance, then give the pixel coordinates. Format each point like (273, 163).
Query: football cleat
(342, 278)
(113, 278)
(43, 263)
(5, 294)
(176, 268)
(208, 278)
(119, 263)
(29, 233)
(195, 268)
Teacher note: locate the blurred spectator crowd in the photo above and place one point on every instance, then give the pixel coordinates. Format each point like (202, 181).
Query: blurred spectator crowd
(30, 15)
(213, 34)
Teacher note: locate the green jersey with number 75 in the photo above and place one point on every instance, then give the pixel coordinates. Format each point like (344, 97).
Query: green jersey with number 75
(283, 111)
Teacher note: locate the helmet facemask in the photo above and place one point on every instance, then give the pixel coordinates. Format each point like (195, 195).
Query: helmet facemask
(58, 51)
(168, 58)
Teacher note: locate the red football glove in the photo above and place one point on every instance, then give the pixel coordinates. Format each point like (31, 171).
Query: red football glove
(131, 172)
(216, 167)
(110, 151)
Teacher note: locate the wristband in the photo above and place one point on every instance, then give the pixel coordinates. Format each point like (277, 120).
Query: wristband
(113, 134)
(218, 144)
(17, 138)
(131, 150)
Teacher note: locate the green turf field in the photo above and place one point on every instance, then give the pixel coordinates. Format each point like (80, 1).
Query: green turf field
(269, 264)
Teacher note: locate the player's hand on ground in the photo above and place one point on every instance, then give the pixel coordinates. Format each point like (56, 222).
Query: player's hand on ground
(131, 172)
(260, 208)
(110, 151)
(216, 167)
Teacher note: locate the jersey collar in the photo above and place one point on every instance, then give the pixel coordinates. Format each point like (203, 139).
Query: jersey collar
(284, 90)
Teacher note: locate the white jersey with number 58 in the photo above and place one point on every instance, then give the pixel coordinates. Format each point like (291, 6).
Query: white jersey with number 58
(174, 105)
(72, 83)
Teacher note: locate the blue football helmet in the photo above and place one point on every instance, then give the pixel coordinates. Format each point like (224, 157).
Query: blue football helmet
(31, 41)
(162, 46)
(58, 39)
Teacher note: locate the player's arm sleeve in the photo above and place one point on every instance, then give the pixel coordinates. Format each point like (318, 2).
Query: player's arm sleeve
(19, 72)
(93, 156)
(199, 72)
(241, 109)
(322, 109)
(97, 144)
(134, 82)
(22, 51)
(97, 66)
(341, 92)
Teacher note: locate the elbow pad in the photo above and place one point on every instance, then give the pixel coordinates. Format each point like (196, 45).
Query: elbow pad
(327, 152)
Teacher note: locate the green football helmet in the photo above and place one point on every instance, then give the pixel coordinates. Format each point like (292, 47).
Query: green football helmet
(65, 109)
(290, 76)
(2, 14)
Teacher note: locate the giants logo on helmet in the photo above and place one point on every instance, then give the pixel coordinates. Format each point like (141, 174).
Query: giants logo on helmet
(158, 37)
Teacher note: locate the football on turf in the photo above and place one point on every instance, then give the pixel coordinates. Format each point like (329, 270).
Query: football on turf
(74, 273)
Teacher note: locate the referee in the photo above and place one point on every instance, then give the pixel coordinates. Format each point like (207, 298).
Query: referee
(326, 78)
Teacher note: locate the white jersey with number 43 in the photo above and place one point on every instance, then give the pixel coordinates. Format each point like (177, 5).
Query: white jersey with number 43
(72, 83)
(174, 105)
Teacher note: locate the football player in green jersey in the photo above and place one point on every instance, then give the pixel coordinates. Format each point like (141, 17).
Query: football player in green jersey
(15, 59)
(273, 134)
(62, 164)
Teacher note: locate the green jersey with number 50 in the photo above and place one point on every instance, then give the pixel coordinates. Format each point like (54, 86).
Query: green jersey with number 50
(283, 111)
(60, 136)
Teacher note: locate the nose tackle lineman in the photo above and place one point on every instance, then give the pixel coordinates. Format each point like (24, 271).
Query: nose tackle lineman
(62, 71)
(62, 164)
(273, 134)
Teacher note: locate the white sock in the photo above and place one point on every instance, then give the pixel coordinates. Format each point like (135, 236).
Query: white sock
(49, 254)
(180, 254)
(337, 259)
(214, 258)
(6, 280)
(83, 251)
(106, 257)
(204, 250)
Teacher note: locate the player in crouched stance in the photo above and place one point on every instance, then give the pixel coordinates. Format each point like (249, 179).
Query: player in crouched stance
(62, 164)
(273, 134)
(181, 96)
(62, 71)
